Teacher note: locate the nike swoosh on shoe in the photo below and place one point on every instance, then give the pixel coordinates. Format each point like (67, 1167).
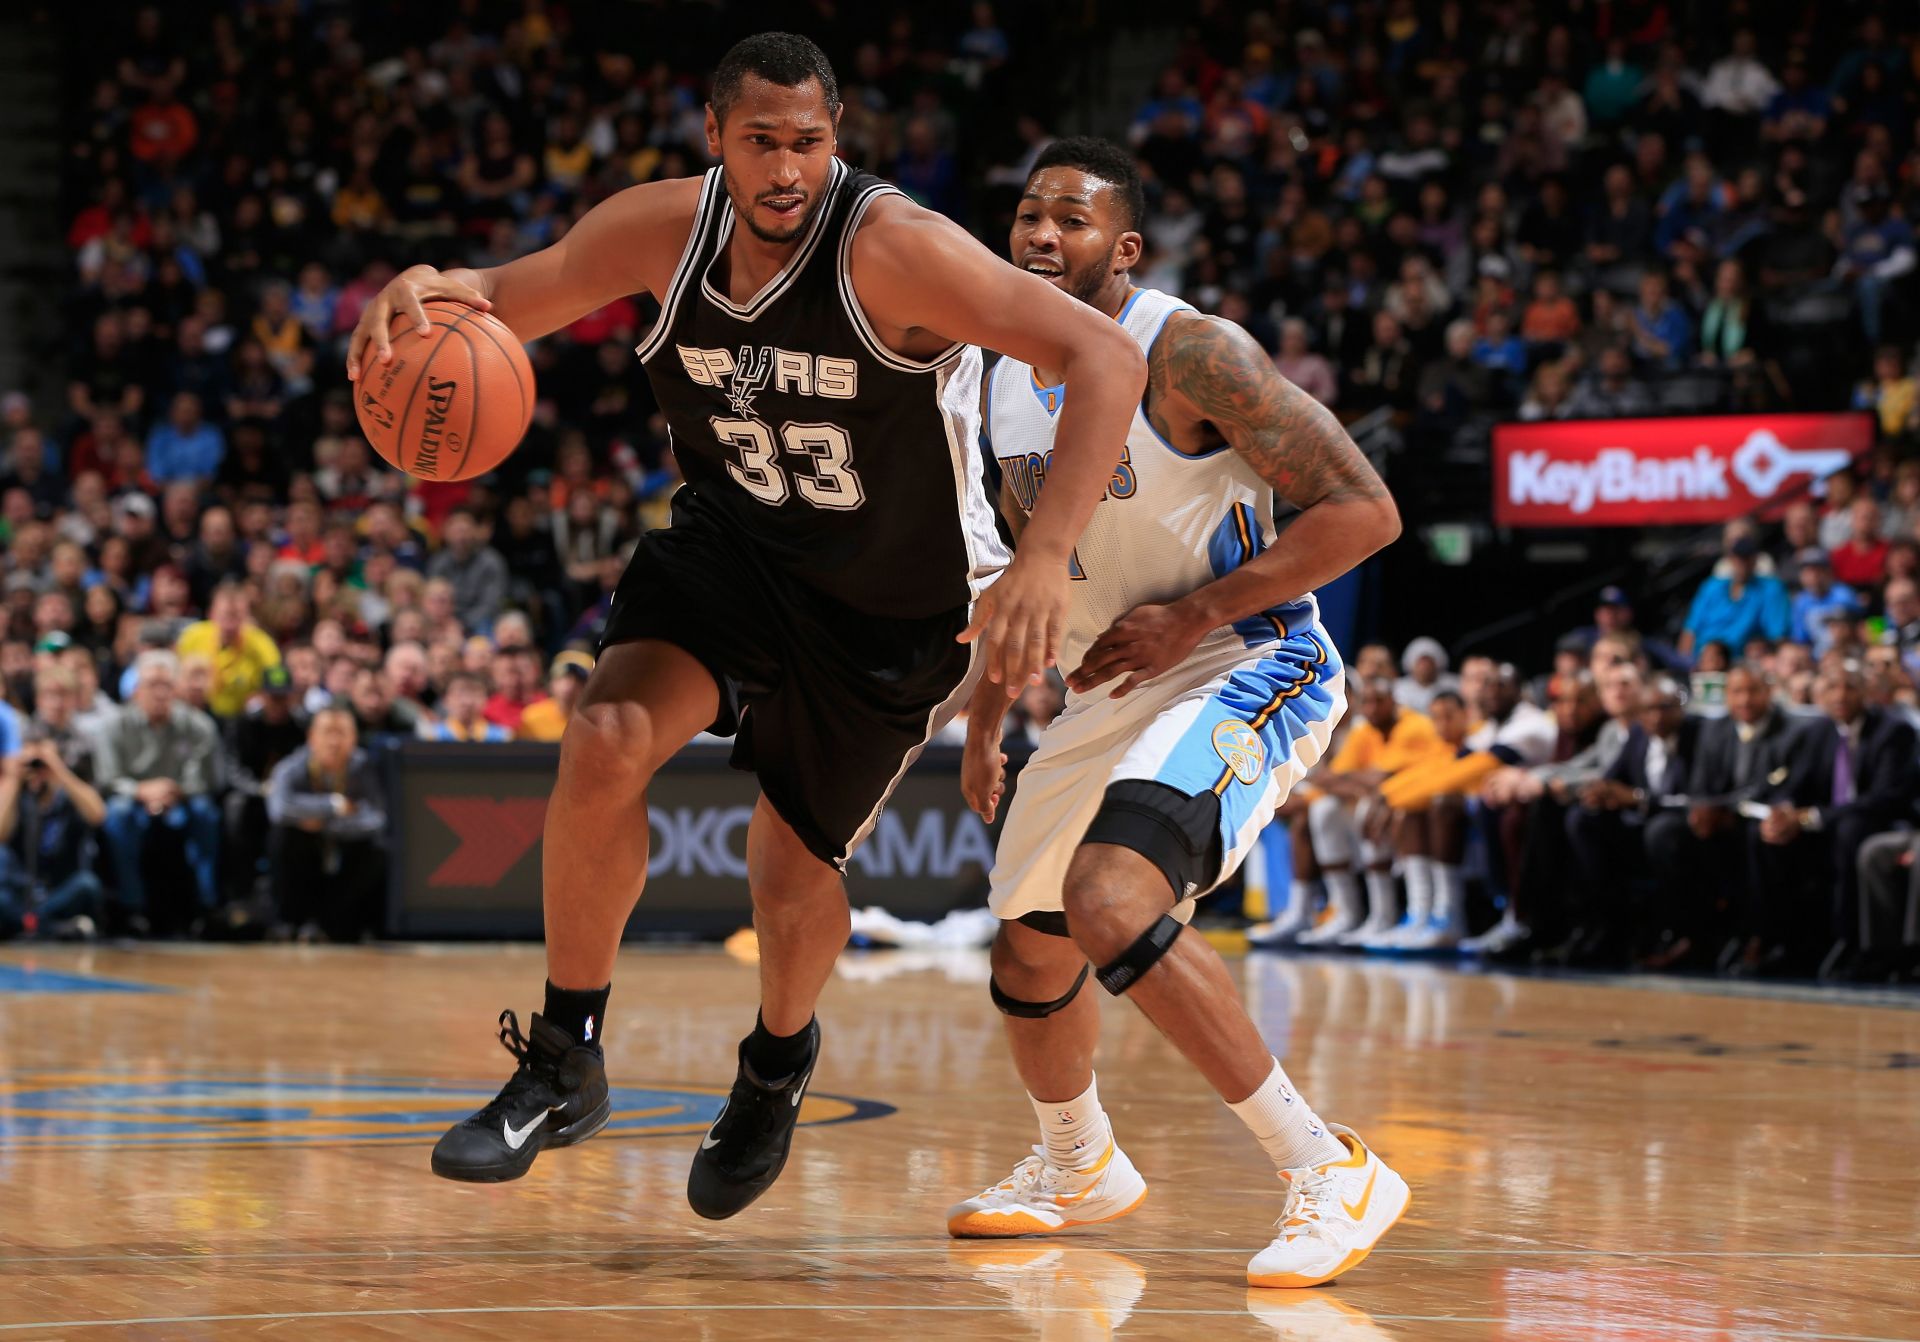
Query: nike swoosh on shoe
(708, 1142)
(517, 1137)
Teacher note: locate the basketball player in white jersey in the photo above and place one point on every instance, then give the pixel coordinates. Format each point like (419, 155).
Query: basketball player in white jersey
(1202, 689)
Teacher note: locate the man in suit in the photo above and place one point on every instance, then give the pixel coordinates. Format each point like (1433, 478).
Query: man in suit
(1607, 830)
(1699, 854)
(1850, 776)
(1889, 909)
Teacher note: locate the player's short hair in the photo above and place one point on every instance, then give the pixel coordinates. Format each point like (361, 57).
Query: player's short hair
(1448, 696)
(1104, 159)
(786, 59)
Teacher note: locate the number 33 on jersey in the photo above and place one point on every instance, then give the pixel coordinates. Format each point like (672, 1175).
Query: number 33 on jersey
(850, 466)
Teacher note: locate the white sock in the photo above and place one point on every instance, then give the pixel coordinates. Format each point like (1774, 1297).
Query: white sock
(1299, 898)
(1074, 1132)
(1449, 894)
(1383, 899)
(1343, 895)
(1289, 1132)
(1419, 870)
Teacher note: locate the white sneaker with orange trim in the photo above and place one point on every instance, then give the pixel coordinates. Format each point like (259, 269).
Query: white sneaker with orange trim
(1039, 1198)
(1334, 1215)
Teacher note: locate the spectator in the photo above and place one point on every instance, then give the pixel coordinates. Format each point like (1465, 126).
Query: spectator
(1662, 332)
(241, 651)
(1613, 617)
(1594, 714)
(546, 719)
(1739, 607)
(1608, 829)
(268, 732)
(158, 762)
(463, 716)
(1458, 385)
(1698, 854)
(329, 826)
(1551, 318)
(1298, 364)
(1818, 597)
(516, 681)
(1889, 910)
(216, 556)
(1861, 560)
(1347, 823)
(1611, 392)
(1893, 395)
(49, 819)
(1849, 777)
(186, 447)
(1836, 517)
(477, 573)
(1423, 674)
(1879, 250)
(1738, 84)
(376, 714)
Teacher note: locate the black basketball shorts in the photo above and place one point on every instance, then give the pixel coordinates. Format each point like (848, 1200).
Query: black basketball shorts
(828, 706)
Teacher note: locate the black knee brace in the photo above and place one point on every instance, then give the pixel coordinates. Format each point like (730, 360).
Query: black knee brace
(1138, 958)
(1013, 1006)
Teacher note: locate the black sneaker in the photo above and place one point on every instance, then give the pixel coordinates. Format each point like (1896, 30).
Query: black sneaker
(557, 1096)
(746, 1148)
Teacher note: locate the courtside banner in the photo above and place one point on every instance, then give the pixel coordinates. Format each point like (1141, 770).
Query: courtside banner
(1663, 472)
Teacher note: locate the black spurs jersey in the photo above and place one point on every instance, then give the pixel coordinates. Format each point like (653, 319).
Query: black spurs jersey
(851, 468)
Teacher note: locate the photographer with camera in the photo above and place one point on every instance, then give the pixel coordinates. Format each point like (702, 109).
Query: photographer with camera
(50, 818)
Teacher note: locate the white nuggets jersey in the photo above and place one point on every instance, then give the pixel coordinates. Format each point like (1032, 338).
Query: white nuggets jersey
(1168, 524)
(1244, 717)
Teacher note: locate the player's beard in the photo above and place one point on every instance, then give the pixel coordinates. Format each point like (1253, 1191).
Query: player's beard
(1085, 285)
(745, 208)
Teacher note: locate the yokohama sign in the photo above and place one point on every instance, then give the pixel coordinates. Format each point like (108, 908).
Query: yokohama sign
(1663, 472)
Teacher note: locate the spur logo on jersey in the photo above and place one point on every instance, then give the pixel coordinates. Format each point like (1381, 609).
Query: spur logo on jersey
(746, 372)
(41, 1110)
(1240, 749)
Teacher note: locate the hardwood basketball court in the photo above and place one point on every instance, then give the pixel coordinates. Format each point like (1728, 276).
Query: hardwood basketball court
(217, 1143)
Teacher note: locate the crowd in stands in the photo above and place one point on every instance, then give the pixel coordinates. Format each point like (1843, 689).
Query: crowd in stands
(217, 599)
(1751, 812)
(1549, 210)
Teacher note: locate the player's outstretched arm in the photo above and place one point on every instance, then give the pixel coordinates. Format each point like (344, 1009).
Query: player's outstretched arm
(917, 271)
(1208, 370)
(627, 244)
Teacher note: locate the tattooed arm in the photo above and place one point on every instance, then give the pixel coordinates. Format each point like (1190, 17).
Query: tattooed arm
(1209, 383)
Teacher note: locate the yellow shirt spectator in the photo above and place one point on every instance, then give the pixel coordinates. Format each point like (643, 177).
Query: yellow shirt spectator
(1411, 740)
(238, 664)
(543, 721)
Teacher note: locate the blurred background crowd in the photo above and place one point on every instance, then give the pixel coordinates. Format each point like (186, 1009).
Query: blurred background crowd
(1434, 213)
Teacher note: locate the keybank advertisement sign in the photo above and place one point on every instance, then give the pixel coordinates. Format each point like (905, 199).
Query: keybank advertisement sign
(470, 820)
(1664, 472)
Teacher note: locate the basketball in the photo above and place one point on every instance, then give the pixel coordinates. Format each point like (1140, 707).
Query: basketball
(452, 404)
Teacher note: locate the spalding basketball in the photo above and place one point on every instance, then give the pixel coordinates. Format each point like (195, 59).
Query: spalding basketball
(453, 403)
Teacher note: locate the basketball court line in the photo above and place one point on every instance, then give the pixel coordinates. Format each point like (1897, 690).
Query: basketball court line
(382, 1255)
(292, 1316)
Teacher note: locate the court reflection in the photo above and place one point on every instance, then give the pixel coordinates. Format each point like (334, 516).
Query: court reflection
(1065, 1292)
(1313, 1316)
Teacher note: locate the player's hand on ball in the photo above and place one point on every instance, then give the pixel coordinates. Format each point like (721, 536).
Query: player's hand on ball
(1140, 645)
(1021, 618)
(983, 775)
(404, 296)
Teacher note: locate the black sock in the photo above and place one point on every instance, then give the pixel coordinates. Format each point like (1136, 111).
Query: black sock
(775, 1057)
(581, 1012)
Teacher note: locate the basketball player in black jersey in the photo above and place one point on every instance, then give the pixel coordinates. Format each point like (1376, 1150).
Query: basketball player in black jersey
(823, 592)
